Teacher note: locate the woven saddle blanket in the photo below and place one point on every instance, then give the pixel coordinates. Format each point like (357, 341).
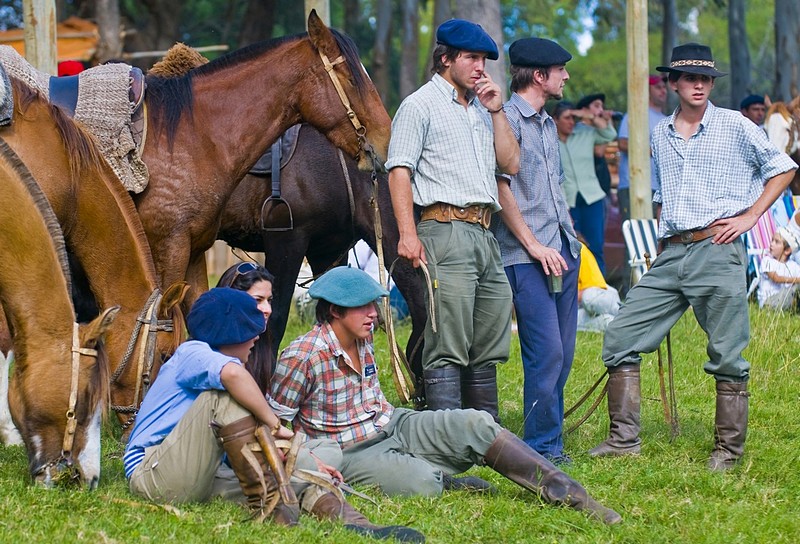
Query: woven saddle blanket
(103, 107)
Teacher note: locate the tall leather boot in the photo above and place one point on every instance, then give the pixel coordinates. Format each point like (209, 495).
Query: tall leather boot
(250, 465)
(479, 390)
(521, 464)
(624, 407)
(443, 387)
(331, 507)
(730, 425)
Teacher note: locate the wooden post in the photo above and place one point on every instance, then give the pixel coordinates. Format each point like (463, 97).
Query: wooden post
(638, 117)
(39, 17)
(323, 8)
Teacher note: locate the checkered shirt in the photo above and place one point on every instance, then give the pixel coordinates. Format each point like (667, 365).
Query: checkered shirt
(316, 388)
(448, 148)
(719, 172)
(537, 187)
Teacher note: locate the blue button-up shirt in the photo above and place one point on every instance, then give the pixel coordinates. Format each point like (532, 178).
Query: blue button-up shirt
(719, 172)
(448, 148)
(537, 187)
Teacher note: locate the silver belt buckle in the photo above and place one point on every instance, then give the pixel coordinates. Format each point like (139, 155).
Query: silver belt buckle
(687, 237)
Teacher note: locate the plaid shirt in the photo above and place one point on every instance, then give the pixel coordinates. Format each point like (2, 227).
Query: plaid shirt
(448, 148)
(719, 172)
(537, 187)
(316, 387)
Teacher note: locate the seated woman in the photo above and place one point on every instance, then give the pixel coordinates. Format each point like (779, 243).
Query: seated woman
(598, 303)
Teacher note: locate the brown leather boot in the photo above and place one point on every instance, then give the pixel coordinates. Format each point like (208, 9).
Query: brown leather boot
(624, 406)
(331, 507)
(521, 464)
(443, 387)
(255, 477)
(730, 426)
(479, 390)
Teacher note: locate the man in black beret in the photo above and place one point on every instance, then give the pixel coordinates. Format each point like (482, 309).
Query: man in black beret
(718, 173)
(448, 139)
(538, 243)
(754, 108)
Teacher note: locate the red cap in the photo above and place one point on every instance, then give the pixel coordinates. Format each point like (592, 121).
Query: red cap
(70, 68)
(654, 80)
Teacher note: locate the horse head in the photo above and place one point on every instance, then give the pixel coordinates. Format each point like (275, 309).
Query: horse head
(60, 424)
(360, 122)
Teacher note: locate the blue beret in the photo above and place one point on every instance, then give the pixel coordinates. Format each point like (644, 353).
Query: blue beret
(223, 316)
(466, 36)
(537, 52)
(347, 287)
(750, 100)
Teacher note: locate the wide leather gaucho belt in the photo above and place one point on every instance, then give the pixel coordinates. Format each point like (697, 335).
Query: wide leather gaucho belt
(692, 236)
(445, 213)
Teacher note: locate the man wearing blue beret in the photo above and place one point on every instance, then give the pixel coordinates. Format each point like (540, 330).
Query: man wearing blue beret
(538, 243)
(754, 108)
(205, 404)
(326, 383)
(448, 138)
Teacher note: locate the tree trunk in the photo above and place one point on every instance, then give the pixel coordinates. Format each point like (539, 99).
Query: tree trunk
(669, 32)
(160, 28)
(351, 16)
(258, 23)
(380, 52)
(739, 51)
(487, 14)
(109, 46)
(409, 56)
(442, 11)
(787, 49)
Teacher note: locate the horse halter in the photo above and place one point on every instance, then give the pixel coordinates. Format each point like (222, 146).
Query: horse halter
(72, 422)
(361, 130)
(147, 323)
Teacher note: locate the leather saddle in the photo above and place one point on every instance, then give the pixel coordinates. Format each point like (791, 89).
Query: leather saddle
(284, 147)
(64, 91)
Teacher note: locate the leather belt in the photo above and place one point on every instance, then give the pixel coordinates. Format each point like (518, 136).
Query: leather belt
(692, 236)
(445, 213)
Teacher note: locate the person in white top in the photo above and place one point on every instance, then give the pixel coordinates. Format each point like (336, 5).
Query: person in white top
(779, 274)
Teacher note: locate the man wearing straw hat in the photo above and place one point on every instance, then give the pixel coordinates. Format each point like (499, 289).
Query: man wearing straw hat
(718, 173)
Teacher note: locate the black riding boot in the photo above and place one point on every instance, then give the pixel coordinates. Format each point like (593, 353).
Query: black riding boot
(443, 387)
(479, 390)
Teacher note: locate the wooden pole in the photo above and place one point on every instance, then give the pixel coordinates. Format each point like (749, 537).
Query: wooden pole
(638, 122)
(323, 8)
(39, 17)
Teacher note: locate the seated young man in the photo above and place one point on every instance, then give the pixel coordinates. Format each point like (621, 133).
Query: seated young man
(326, 383)
(205, 404)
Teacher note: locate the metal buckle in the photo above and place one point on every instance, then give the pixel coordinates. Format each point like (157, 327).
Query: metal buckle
(687, 237)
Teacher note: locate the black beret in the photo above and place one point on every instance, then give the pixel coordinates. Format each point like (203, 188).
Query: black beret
(537, 52)
(466, 36)
(750, 100)
(588, 99)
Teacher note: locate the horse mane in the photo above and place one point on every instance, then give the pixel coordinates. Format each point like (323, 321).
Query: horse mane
(43, 205)
(79, 143)
(170, 96)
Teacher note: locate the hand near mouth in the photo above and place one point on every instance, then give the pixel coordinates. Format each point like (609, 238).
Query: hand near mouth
(488, 92)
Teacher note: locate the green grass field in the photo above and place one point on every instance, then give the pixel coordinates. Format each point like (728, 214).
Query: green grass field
(665, 495)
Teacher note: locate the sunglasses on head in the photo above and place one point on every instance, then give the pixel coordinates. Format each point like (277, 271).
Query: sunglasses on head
(244, 268)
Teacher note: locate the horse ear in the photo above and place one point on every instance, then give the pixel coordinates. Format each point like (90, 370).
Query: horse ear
(173, 296)
(95, 330)
(320, 35)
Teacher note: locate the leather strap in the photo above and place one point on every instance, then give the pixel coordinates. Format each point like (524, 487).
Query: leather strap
(692, 236)
(445, 213)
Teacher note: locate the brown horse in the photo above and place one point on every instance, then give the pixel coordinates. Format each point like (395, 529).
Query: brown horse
(783, 129)
(326, 224)
(210, 126)
(54, 361)
(104, 234)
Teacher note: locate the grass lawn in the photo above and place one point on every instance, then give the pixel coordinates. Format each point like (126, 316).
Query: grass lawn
(664, 495)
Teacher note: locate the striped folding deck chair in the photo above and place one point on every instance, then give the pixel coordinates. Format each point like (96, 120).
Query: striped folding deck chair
(641, 236)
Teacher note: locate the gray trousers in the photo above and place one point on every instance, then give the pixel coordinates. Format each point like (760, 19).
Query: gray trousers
(708, 277)
(472, 297)
(186, 465)
(413, 452)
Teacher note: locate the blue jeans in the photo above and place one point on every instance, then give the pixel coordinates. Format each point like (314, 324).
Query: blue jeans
(547, 326)
(590, 221)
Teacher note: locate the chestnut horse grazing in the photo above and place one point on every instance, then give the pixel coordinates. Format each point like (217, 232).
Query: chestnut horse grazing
(331, 203)
(60, 377)
(104, 234)
(210, 126)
